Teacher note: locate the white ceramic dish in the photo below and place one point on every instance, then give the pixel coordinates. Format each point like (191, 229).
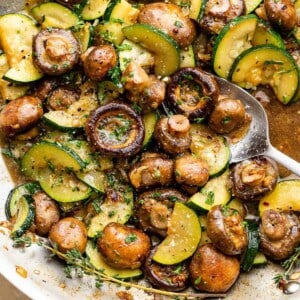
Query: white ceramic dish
(46, 280)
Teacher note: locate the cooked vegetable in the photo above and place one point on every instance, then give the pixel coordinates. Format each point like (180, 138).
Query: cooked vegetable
(115, 129)
(192, 92)
(169, 278)
(123, 247)
(183, 237)
(62, 98)
(68, 234)
(213, 271)
(279, 233)
(253, 178)
(56, 51)
(94, 9)
(149, 120)
(153, 209)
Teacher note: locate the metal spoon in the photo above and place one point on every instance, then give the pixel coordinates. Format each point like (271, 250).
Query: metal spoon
(257, 141)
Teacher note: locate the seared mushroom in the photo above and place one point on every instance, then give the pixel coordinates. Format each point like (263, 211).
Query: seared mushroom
(46, 213)
(20, 114)
(154, 208)
(218, 13)
(212, 271)
(123, 247)
(152, 170)
(170, 19)
(253, 177)
(56, 51)
(192, 92)
(227, 116)
(67, 234)
(97, 61)
(279, 233)
(226, 231)
(62, 97)
(45, 87)
(281, 14)
(169, 278)
(191, 170)
(172, 133)
(115, 129)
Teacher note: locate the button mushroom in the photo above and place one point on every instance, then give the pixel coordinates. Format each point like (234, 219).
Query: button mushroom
(152, 170)
(170, 19)
(56, 51)
(227, 116)
(226, 231)
(20, 114)
(172, 133)
(253, 177)
(62, 97)
(115, 129)
(192, 92)
(279, 233)
(123, 247)
(153, 209)
(212, 271)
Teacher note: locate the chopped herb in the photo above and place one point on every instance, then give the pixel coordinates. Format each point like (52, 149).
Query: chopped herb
(111, 213)
(199, 120)
(210, 199)
(198, 280)
(178, 24)
(116, 20)
(178, 269)
(124, 47)
(226, 120)
(23, 241)
(115, 75)
(131, 238)
(272, 62)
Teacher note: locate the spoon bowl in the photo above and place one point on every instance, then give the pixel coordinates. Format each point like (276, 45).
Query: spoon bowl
(256, 141)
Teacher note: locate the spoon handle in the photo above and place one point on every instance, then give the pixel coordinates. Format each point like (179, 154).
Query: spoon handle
(283, 159)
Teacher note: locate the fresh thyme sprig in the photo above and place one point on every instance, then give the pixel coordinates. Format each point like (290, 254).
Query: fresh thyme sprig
(288, 265)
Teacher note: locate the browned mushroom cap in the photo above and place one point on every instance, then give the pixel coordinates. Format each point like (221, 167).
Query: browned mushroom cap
(56, 51)
(115, 129)
(62, 97)
(20, 114)
(123, 247)
(281, 14)
(225, 230)
(97, 61)
(154, 208)
(279, 233)
(172, 133)
(170, 19)
(152, 170)
(227, 116)
(170, 278)
(212, 271)
(192, 92)
(218, 13)
(45, 87)
(253, 177)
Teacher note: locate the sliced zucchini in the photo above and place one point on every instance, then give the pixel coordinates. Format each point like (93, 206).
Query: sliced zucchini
(131, 52)
(165, 50)
(296, 31)
(267, 65)
(215, 192)
(16, 35)
(183, 236)
(13, 198)
(96, 259)
(149, 120)
(233, 39)
(252, 246)
(260, 259)
(85, 36)
(52, 14)
(187, 58)
(24, 216)
(285, 196)
(251, 5)
(108, 91)
(264, 34)
(204, 238)
(94, 9)
(197, 9)
(211, 147)
(110, 32)
(94, 178)
(239, 206)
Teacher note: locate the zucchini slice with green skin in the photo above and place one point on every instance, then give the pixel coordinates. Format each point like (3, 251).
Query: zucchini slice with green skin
(94, 9)
(215, 192)
(251, 5)
(187, 58)
(211, 147)
(197, 9)
(85, 36)
(233, 39)
(267, 65)
(252, 247)
(165, 50)
(149, 120)
(16, 36)
(97, 260)
(13, 198)
(24, 216)
(264, 34)
(52, 14)
(259, 260)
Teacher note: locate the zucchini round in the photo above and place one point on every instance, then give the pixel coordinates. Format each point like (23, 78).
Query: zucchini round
(149, 120)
